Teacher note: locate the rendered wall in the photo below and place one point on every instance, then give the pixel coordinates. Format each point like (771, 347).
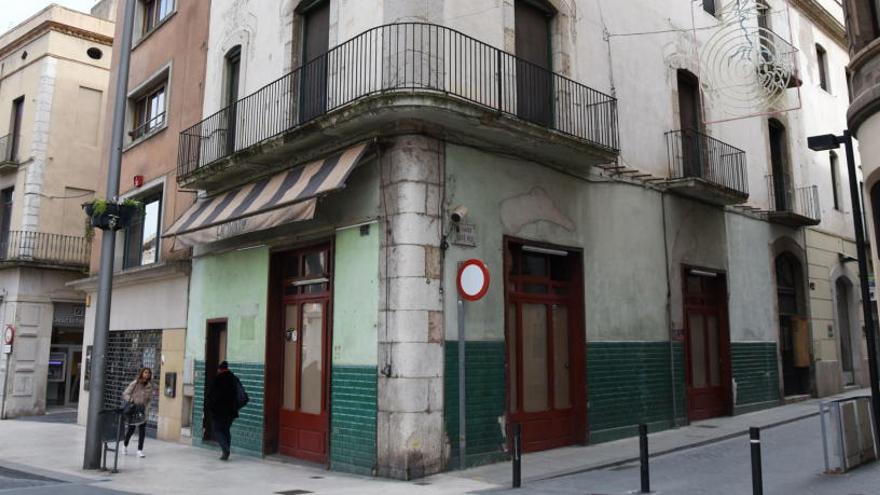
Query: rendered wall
(234, 286)
(354, 373)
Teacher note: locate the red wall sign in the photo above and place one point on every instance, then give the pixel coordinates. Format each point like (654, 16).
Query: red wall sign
(473, 280)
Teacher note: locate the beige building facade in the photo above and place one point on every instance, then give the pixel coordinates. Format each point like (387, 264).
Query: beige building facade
(54, 72)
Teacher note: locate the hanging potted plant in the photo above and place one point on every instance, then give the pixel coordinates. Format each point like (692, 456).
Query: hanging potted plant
(110, 215)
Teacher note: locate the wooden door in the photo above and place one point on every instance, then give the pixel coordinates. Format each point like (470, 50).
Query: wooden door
(707, 345)
(215, 353)
(689, 111)
(303, 417)
(534, 81)
(544, 347)
(313, 77)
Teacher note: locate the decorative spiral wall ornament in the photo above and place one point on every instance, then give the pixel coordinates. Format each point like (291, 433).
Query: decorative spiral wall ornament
(745, 67)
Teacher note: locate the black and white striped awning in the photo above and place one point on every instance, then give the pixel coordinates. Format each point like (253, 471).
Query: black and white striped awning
(289, 196)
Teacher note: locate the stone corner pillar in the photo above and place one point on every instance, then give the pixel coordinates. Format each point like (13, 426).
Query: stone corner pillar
(410, 386)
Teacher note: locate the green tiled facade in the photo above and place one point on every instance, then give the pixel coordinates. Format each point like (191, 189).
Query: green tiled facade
(755, 370)
(630, 383)
(485, 396)
(353, 419)
(247, 430)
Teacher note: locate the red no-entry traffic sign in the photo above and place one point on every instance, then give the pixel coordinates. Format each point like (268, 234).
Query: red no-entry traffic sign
(473, 280)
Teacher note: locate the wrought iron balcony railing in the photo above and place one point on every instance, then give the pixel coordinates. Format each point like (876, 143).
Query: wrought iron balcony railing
(147, 127)
(693, 154)
(7, 149)
(44, 248)
(802, 201)
(411, 58)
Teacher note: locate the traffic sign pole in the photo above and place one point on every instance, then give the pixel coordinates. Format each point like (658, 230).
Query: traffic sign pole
(473, 283)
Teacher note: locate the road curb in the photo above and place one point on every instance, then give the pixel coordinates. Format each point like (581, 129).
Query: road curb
(672, 450)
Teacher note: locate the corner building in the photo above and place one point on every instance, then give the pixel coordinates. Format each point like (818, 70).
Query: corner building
(648, 252)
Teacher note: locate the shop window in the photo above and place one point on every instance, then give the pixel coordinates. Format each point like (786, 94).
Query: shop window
(142, 239)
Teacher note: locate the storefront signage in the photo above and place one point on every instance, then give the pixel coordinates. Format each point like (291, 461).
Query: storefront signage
(473, 280)
(465, 235)
(69, 315)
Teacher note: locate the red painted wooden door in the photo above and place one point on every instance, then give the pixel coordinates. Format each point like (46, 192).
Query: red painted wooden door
(303, 420)
(707, 345)
(542, 347)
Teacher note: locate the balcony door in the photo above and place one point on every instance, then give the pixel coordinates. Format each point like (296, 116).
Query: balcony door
(313, 74)
(779, 185)
(5, 220)
(707, 345)
(690, 115)
(15, 128)
(233, 76)
(534, 81)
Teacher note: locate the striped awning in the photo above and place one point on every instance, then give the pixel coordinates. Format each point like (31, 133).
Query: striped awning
(289, 196)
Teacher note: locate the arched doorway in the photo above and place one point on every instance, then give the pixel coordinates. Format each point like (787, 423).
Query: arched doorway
(843, 297)
(794, 335)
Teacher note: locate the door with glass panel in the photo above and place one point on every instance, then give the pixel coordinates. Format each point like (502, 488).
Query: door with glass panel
(305, 306)
(544, 349)
(707, 344)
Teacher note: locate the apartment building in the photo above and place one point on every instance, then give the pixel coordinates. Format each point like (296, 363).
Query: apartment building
(863, 30)
(151, 278)
(54, 72)
(663, 246)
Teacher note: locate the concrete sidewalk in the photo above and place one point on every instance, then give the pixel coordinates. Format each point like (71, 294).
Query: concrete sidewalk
(56, 449)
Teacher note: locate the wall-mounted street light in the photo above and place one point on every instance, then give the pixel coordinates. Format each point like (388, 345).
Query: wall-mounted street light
(828, 142)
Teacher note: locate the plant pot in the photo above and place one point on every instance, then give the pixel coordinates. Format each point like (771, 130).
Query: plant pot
(114, 217)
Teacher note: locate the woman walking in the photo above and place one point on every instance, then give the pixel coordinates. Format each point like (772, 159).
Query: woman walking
(139, 393)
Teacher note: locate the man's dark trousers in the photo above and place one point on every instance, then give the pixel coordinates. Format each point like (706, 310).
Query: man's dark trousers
(222, 434)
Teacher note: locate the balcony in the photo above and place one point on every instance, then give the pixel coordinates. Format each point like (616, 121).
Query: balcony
(777, 64)
(46, 250)
(798, 208)
(8, 162)
(397, 78)
(704, 168)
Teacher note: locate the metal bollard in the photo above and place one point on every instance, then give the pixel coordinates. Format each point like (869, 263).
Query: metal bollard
(755, 442)
(643, 458)
(517, 455)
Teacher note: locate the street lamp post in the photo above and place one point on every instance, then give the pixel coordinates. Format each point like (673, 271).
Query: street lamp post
(92, 454)
(828, 142)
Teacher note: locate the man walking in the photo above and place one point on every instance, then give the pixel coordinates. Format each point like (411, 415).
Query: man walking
(223, 405)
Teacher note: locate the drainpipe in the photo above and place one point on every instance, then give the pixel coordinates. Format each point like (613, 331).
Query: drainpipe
(669, 308)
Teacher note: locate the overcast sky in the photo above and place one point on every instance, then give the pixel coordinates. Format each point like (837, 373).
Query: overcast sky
(13, 12)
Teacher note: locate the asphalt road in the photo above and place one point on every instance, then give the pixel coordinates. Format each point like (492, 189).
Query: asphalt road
(20, 481)
(792, 461)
